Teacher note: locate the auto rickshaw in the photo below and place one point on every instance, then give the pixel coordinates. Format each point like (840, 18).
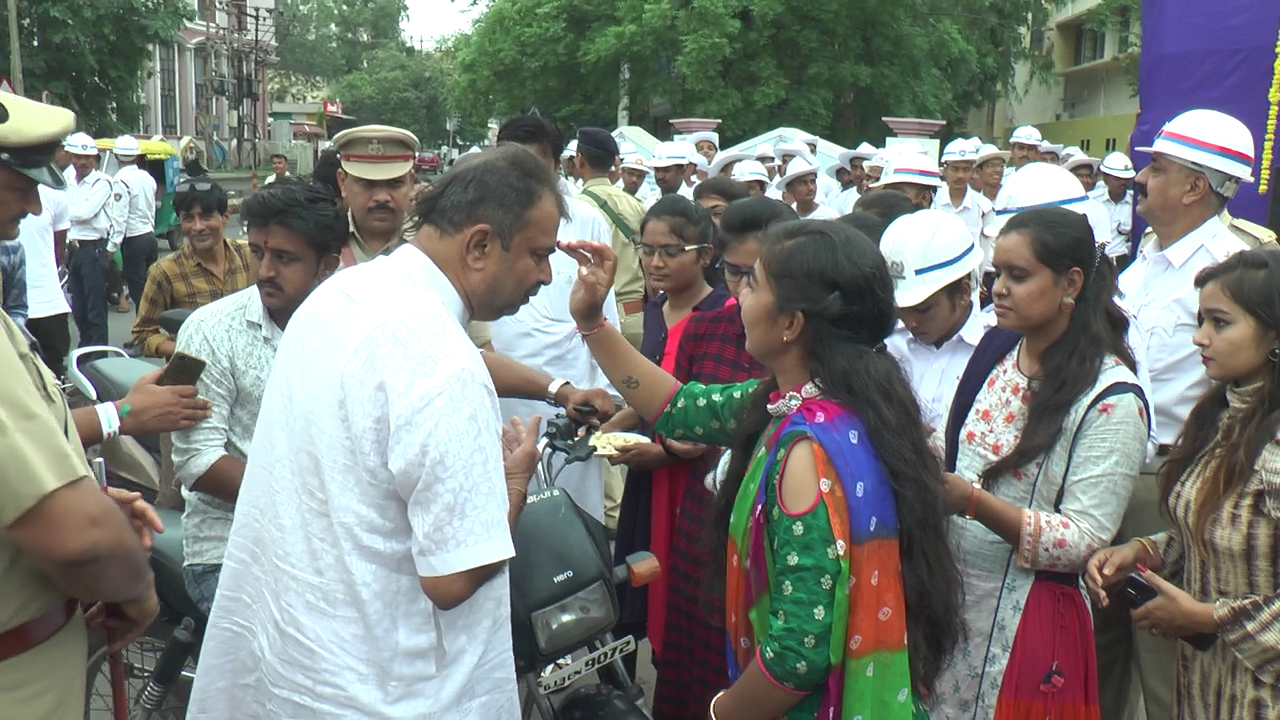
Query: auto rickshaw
(163, 164)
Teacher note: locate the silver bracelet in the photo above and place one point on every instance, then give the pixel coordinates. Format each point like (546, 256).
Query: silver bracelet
(711, 711)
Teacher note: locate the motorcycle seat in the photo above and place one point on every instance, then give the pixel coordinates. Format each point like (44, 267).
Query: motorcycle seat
(113, 378)
(166, 563)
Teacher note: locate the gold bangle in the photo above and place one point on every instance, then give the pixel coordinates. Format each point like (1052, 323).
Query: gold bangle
(1150, 547)
(711, 711)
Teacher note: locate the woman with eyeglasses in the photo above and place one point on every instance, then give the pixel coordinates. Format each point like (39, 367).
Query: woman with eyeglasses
(676, 254)
(712, 350)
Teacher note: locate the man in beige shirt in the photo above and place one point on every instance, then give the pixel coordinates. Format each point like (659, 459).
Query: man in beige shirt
(597, 153)
(377, 185)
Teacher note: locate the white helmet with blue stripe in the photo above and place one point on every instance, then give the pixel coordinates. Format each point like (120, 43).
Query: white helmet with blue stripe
(1209, 141)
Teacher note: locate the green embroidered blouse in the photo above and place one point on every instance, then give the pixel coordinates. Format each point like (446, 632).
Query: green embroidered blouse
(795, 652)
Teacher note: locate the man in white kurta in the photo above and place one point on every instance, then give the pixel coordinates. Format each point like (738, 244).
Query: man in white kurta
(365, 574)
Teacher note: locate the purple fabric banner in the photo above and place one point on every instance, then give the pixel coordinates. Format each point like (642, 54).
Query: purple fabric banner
(1216, 54)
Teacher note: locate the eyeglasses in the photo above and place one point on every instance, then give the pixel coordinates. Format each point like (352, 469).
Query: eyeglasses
(735, 273)
(197, 185)
(670, 252)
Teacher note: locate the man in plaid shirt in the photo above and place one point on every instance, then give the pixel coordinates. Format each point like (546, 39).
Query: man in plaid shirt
(13, 281)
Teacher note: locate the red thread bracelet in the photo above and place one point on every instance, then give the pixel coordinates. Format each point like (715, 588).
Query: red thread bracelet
(588, 333)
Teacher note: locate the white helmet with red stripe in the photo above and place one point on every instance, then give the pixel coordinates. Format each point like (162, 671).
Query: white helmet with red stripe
(1209, 141)
(911, 168)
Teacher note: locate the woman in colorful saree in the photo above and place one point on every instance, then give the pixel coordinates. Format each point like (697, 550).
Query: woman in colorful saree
(843, 594)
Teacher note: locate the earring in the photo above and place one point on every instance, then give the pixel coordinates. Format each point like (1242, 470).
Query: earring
(1068, 304)
(787, 339)
(1274, 355)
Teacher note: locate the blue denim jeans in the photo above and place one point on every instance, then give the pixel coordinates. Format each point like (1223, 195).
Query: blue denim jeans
(202, 584)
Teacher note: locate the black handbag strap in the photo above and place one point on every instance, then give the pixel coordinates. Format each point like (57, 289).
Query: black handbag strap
(1110, 391)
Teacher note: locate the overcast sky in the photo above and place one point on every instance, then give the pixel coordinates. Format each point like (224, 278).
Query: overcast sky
(435, 19)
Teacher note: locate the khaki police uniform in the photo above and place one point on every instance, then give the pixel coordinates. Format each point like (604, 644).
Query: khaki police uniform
(1250, 233)
(629, 285)
(40, 452)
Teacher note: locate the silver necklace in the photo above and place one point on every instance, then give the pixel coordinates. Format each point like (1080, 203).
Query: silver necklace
(790, 402)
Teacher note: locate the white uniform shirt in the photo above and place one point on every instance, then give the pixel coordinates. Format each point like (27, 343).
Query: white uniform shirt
(974, 210)
(377, 459)
(138, 205)
(822, 212)
(44, 291)
(544, 336)
(90, 202)
(273, 177)
(844, 201)
(1158, 292)
(935, 372)
(827, 188)
(237, 339)
(1121, 217)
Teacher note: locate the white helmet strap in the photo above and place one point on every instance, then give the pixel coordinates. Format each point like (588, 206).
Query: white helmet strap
(1221, 183)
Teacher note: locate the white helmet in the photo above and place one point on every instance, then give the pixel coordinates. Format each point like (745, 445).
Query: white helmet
(635, 162)
(1040, 185)
(927, 251)
(724, 158)
(959, 150)
(1069, 152)
(1026, 135)
(126, 147)
(748, 170)
(911, 168)
(1208, 140)
(80, 144)
(1117, 164)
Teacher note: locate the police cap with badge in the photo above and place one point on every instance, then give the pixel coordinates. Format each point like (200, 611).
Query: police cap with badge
(30, 135)
(376, 152)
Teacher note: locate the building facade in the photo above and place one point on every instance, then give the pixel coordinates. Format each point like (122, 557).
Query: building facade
(1089, 99)
(211, 82)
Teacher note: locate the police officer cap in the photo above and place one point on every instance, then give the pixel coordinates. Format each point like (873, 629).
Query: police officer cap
(597, 139)
(30, 134)
(376, 152)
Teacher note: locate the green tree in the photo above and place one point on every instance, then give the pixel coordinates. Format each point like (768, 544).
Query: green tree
(400, 86)
(328, 39)
(93, 56)
(832, 66)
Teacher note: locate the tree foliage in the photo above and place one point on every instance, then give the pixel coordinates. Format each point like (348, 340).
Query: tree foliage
(329, 39)
(832, 66)
(93, 56)
(1124, 17)
(401, 86)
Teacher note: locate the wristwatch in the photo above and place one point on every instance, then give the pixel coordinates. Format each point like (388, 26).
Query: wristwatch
(554, 388)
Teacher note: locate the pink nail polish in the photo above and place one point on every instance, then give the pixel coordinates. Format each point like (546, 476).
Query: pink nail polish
(1142, 568)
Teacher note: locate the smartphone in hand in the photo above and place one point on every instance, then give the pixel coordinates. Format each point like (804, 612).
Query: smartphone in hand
(183, 369)
(1135, 592)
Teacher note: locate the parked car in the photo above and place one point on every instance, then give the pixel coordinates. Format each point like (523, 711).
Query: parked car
(427, 162)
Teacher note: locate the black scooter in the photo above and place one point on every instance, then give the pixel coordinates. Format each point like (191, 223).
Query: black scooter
(564, 600)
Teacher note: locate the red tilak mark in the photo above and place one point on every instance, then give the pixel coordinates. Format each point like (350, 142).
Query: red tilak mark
(266, 245)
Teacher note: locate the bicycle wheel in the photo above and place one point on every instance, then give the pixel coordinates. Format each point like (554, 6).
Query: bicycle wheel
(139, 662)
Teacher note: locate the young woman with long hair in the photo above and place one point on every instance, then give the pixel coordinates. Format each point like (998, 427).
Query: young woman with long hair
(1217, 572)
(677, 254)
(843, 593)
(1046, 433)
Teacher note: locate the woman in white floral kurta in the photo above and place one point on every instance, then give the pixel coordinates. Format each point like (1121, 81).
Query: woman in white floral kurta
(1011, 526)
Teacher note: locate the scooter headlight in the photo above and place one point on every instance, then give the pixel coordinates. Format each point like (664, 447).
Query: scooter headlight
(573, 620)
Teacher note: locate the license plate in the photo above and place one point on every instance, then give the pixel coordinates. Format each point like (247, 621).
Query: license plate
(561, 678)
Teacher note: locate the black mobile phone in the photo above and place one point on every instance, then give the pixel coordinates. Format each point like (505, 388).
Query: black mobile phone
(183, 369)
(1135, 592)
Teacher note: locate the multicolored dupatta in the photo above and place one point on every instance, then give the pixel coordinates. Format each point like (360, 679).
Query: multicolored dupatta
(870, 676)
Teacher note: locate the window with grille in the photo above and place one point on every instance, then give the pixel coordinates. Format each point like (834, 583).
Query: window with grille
(168, 89)
(1111, 144)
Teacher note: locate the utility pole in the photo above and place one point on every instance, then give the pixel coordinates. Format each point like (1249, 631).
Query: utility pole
(15, 49)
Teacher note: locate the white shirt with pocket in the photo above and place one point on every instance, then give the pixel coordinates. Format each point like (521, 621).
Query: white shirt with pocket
(138, 200)
(376, 461)
(1158, 292)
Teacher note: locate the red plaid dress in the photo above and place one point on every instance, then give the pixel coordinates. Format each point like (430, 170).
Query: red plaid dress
(713, 350)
